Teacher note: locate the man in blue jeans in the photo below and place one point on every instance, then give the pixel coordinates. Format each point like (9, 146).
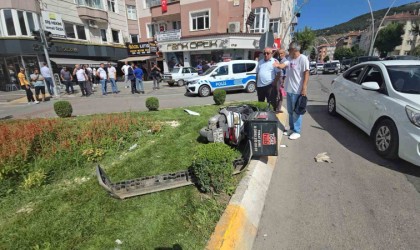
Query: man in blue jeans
(46, 73)
(296, 84)
(102, 78)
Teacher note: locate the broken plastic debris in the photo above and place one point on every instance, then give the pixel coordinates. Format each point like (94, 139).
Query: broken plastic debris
(265, 235)
(323, 157)
(283, 146)
(119, 242)
(191, 112)
(132, 147)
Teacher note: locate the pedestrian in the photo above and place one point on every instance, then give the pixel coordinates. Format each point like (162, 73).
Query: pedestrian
(155, 75)
(132, 78)
(199, 68)
(25, 85)
(37, 81)
(88, 72)
(46, 73)
(124, 69)
(296, 83)
(138, 72)
(102, 78)
(67, 79)
(267, 75)
(206, 66)
(81, 78)
(280, 83)
(112, 75)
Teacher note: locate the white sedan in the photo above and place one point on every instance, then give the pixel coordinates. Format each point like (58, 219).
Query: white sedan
(383, 99)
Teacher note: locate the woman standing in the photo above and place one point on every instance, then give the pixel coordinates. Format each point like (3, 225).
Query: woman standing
(155, 75)
(25, 85)
(38, 81)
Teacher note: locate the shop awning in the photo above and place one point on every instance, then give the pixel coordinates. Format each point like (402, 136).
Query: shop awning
(137, 58)
(73, 61)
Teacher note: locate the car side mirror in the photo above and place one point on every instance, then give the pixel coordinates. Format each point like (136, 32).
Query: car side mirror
(214, 74)
(374, 86)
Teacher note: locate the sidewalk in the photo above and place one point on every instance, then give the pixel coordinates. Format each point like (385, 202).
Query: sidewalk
(9, 96)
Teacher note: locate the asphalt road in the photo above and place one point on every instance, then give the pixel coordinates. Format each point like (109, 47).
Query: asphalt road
(360, 201)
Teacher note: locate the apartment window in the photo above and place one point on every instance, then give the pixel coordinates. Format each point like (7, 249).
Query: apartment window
(103, 35)
(199, 20)
(261, 20)
(31, 23)
(112, 5)
(134, 38)
(22, 23)
(69, 28)
(116, 36)
(176, 25)
(153, 29)
(96, 4)
(131, 12)
(275, 25)
(8, 18)
(81, 34)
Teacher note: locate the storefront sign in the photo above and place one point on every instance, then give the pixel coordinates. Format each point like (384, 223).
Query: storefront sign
(147, 48)
(66, 49)
(194, 45)
(164, 5)
(169, 35)
(53, 23)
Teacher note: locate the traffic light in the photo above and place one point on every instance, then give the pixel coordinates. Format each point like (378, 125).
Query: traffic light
(36, 35)
(48, 38)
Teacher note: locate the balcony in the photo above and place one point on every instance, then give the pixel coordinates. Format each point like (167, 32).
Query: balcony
(92, 10)
(28, 5)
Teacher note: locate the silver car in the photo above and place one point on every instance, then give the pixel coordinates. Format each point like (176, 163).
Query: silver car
(178, 75)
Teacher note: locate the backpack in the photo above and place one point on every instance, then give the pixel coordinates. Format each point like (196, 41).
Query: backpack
(300, 106)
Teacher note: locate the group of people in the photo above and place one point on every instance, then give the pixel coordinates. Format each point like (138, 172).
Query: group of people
(38, 79)
(203, 66)
(285, 76)
(133, 73)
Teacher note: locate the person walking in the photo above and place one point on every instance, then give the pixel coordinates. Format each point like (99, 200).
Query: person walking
(124, 69)
(81, 78)
(37, 81)
(138, 72)
(132, 78)
(112, 75)
(46, 73)
(155, 75)
(296, 84)
(280, 84)
(267, 75)
(67, 79)
(25, 85)
(102, 78)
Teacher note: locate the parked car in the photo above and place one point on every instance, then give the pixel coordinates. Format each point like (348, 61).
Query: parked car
(320, 66)
(232, 75)
(330, 68)
(360, 59)
(382, 98)
(345, 64)
(179, 75)
(312, 68)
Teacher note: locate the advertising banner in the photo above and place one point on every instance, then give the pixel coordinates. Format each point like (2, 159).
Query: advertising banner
(53, 23)
(146, 48)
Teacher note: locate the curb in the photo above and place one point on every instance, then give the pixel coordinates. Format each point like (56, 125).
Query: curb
(238, 226)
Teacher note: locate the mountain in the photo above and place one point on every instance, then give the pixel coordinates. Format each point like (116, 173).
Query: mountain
(363, 21)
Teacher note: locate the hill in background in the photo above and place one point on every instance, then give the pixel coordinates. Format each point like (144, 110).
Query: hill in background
(363, 21)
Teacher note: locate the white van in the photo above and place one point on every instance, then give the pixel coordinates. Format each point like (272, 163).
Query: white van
(232, 75)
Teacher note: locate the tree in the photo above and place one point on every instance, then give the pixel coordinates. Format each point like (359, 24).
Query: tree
(305, 38)
(416, 51)
(357, 51)
(313, 54)
(342, 53)
(389, 38)
(326, 58)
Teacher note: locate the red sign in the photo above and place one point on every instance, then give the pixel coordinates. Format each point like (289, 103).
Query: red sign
(277, 43)
(164, 5)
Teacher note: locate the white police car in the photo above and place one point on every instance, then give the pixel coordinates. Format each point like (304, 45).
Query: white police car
(232, 75)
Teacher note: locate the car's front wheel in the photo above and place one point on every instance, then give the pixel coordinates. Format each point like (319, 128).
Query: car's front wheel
(332, 105)
(180, 83)
(385, 139)
(251, 87)
(204, 91)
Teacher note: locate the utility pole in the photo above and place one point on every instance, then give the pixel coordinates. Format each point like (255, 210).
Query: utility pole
(293, 17)
(44, 41)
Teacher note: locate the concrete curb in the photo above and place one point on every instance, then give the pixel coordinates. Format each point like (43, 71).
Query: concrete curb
(238, 226)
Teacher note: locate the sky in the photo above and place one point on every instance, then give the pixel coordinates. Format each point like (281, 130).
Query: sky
(319, 14)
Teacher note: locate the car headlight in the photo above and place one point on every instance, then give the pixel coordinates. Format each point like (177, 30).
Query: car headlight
(193, 82)
(413, 115)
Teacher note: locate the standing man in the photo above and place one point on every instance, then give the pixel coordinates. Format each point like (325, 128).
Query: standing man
(112, 75)
(102, 78)
(124, 69)
(199, 68)
(46, 73)
(81, 78)
(38, 82)
(296, 85)
(67, 79)
(138, 72)
(155, 75)
(280, 82)
(266, 78)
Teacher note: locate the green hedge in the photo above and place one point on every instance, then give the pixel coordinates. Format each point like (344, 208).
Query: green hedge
(152, 103)
(219, 96)
(63, 109)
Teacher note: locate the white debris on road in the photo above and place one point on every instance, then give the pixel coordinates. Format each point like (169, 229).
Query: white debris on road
(323, 157)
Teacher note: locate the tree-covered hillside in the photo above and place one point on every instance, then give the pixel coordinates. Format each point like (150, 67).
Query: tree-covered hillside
(363, 21)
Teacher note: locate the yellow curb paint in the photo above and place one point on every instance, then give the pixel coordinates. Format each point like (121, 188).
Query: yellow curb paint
(231, 229)
(272, 161)
(20, 100)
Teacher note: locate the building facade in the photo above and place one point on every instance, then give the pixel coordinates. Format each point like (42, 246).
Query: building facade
(190, 32)
(348, 41)
(85, 31)
(325, 50)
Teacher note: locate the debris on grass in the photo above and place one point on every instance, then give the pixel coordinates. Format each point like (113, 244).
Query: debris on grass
(323, 157)
(26, 209)
(191, 112)
(173, 124)
(119, 242)
(132, 147)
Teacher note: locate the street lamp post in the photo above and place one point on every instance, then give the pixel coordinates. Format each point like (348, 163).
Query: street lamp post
(293, 17)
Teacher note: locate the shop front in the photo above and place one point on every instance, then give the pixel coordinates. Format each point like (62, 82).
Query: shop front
(190, 52)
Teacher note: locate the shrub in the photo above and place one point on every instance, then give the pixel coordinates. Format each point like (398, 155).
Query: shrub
(63, 109)
(152, 103)
(219, 96)
(34, 179)
(213, 167)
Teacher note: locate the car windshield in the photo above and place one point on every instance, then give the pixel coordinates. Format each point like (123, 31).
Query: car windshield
(209, 70)
(405, 78)
(175, 70)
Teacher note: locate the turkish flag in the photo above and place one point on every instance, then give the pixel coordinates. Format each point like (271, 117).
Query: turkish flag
(277, 43)
(164, 5)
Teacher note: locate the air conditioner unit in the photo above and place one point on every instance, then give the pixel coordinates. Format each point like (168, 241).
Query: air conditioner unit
(234, 27)
(92, 24)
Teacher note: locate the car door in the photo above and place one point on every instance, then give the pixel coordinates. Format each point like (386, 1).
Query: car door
(185, 73)
(220, 78)
(368, 104)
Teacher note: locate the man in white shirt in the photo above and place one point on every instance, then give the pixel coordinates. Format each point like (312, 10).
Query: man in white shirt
(124, 69)
(46, 73)
(296, 84)
(102, 78)
(112, 74)
(81, 79)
